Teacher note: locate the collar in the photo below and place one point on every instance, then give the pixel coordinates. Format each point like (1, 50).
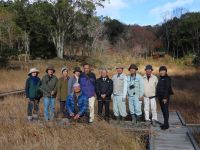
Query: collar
(72, 94)
(105, 77)
(145, 76)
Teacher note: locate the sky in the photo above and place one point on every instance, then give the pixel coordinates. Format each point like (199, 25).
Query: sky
(145, 12)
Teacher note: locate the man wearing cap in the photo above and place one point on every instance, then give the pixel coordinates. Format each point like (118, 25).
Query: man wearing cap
(135, 93)
(104, 90)
(62, 91)
(77, 104)
(87, 81)
(49, 89)
(33, 95)
(119, 94)
(150, 83)
(74, 79)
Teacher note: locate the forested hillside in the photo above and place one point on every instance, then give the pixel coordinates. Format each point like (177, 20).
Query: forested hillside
(63, 28)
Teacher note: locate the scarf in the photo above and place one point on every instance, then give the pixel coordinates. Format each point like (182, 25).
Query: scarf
(35, 80)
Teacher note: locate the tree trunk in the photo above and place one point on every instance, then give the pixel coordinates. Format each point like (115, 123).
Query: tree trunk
(58, 40)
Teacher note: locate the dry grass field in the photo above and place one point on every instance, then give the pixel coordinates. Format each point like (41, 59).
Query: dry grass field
(16, 133)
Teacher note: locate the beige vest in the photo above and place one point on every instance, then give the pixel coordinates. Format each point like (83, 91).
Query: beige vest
(119, 85)
(150, 86)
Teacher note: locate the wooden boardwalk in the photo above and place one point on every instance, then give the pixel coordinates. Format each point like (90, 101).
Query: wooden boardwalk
(175, 138)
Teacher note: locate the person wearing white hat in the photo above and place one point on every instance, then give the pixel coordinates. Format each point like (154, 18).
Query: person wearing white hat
(33, 95)
(119, 94)
(62, 91)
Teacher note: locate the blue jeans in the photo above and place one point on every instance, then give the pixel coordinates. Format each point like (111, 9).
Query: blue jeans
(49, 108)
(135, 105)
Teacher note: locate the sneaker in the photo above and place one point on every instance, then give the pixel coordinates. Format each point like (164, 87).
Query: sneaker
(29, 118)
(91, 120)
(35, 116)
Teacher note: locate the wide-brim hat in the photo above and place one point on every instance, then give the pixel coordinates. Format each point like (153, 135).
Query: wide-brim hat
(33, 70)
(50, 67)
(77, 69)
(133, 66)
(148, 67)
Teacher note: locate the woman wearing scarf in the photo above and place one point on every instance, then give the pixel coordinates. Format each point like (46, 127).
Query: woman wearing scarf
(33, 94)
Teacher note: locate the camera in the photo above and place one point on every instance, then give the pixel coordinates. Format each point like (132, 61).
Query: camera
(131, 87)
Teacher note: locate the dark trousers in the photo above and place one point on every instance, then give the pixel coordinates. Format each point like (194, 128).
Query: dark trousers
(105, 103)
(33, 107)
(62, 108)
(165, 110)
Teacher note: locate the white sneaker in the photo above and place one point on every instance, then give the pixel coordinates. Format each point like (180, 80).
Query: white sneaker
(29, 118)
(90, 120)
(35, 116)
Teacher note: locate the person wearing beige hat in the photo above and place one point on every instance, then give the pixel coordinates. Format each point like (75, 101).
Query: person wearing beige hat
(119, 94)
(49, 89)
(62, 91)
(33, 95)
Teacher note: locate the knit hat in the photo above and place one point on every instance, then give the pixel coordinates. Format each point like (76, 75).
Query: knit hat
(76, 85)
(50, 67)
(133, 66)
(163, 68)
(63, 69)
(148, 67)
(33, 70)
(77, 69)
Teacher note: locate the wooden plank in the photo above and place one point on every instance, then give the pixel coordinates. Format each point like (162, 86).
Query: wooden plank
(175, 138)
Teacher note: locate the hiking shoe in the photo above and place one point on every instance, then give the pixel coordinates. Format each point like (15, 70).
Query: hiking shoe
(118, 120)
(134, 120)
(29, 118)
(154, 123)
(164, 127)
(61, 116)
(147, 122)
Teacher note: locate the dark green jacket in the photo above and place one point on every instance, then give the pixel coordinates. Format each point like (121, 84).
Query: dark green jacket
(33, 89)
(62, 89)
(49, 84)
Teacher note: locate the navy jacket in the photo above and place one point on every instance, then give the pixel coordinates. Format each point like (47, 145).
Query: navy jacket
(87, 82)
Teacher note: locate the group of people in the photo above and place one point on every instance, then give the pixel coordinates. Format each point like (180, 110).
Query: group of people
(77, 94)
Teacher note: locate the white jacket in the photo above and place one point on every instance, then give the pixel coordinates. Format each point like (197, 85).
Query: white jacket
(150, 85)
